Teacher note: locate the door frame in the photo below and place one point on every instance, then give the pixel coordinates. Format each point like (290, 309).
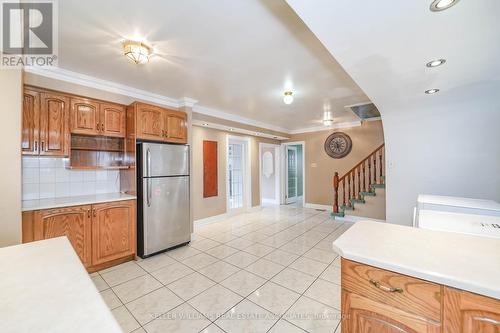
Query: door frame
(247, 173)
(277, 171)
(284, 171)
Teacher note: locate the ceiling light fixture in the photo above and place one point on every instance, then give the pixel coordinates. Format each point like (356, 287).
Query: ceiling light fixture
(327, 118)
(436, 63)
(439, 5)
(137, 52)
(431, 91)
(205, 124)
(231, 129)
(288, 98)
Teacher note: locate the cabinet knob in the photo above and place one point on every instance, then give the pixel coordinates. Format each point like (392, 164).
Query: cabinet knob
(36, 146)
(98, 126)
(88, 213)
(102, 127)
(95, 213)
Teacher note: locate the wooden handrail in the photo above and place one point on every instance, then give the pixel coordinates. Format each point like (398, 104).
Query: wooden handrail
(361, 183)
(362, 161)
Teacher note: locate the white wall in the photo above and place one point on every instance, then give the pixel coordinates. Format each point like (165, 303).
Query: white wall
(10, 152)
(453, 150)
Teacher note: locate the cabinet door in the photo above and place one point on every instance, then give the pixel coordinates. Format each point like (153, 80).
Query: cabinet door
(113, 231)
(177, 127)
(150, 122)
(112, 117)
(363, 315)
(465, 312)
(85, 117)
(31, 123)
(54, 134)
(72, 222)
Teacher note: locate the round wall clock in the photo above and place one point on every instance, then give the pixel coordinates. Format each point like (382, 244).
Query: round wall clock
(338, 145)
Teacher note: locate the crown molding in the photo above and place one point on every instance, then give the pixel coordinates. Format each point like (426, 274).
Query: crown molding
(61, 74)
(238, 130)
(239, 119)
(326, 128)
(58, 73)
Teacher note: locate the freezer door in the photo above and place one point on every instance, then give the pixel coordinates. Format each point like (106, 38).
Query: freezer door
(164, 160)
(166, 221)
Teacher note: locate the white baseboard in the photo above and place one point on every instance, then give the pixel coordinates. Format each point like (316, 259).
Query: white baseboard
(317, 206)
(353, 219)
(270, 201)
(211, 219)
(220, 217)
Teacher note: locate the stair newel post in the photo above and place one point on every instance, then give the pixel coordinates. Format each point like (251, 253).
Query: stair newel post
(364, 177)
(375, 168)
(349, 188)
(336, 192)
(381, 168)
(359, 183)
(343, 191)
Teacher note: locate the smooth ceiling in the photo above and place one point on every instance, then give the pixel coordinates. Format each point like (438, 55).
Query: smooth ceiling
(234, 56)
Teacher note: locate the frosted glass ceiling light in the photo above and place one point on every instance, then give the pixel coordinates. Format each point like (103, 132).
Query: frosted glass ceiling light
(137, 52)
(288, 98)
(436, 63)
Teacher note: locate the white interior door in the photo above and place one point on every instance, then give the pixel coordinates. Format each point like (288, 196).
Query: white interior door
(291, 174)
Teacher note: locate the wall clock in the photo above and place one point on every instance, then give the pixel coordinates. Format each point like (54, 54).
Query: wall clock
(338, 145)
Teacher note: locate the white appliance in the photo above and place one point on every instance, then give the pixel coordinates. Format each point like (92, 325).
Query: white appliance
(462, 215)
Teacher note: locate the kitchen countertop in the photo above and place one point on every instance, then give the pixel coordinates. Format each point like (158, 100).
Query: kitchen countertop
(28, 205)
(466, 262)
(45, 288)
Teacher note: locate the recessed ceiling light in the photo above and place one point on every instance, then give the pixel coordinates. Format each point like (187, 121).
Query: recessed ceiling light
(327, 118)
(205, 124)
(439, 5)
(431, 91)
(288, 98)
(137, 52)
(275, 137)
(231, 129)
(436, 63)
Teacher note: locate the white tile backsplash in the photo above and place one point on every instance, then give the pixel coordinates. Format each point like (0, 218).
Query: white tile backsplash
(47, 177)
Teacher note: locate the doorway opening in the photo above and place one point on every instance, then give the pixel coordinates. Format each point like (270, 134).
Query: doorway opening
(269, 176)
(294, 177)
(238, 182)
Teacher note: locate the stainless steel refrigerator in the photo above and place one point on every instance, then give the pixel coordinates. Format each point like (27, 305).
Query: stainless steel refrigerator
(163, 214)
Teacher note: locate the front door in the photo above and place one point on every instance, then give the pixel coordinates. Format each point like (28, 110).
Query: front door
(291, 174)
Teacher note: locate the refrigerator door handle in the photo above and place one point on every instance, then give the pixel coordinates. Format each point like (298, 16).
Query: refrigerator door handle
(148, 161)
(148, 190)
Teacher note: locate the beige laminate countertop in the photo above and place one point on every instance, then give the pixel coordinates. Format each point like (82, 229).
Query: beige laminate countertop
(29, 205)
(45, 288)
(466, 262)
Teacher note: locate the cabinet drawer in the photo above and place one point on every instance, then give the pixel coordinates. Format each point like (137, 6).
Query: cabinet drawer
(400, 291)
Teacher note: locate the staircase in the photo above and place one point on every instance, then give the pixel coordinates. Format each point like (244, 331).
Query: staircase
(361, 184)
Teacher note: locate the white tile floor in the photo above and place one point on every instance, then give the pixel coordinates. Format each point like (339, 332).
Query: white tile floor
(267, 271)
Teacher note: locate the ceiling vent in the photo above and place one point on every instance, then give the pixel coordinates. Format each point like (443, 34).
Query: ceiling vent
(365, 111)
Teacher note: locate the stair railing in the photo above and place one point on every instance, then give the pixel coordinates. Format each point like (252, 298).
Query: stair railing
(355, 186)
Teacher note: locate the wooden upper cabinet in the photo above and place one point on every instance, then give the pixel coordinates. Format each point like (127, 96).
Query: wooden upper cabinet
(112, 118)
(31, 123)
(54, 133)
(113, 231)
(177, 126)
(72, 222)
(85, 117)
(465, 312)
(150, 122)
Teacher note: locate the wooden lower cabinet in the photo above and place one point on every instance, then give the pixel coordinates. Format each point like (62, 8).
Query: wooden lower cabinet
(465, 312)
(101, 234)
(72, 222)
(113, 231)
(379, 301)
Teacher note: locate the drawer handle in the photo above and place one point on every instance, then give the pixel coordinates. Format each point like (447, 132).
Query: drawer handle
(377, 284)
